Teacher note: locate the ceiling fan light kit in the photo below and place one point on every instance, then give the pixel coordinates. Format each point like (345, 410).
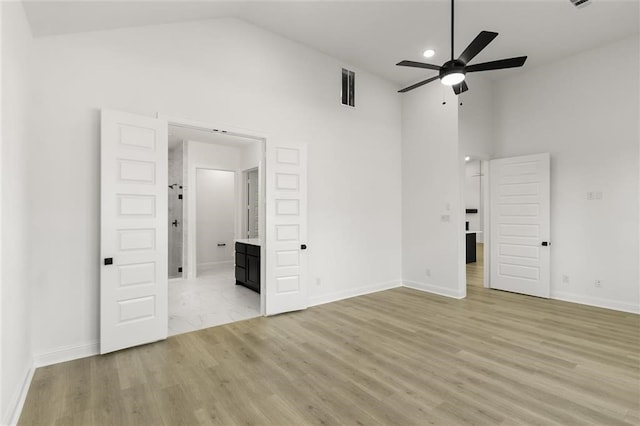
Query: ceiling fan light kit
(453, 73)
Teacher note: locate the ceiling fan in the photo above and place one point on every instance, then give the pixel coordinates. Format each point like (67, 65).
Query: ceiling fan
(452, 73)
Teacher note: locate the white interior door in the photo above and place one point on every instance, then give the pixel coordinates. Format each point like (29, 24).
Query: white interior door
(520, 224)
(133, 279)
(286, 233)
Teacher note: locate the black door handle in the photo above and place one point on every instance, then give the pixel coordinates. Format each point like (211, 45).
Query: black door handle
(545, 243)
(108, 260)
(303, 247)
(175, 223)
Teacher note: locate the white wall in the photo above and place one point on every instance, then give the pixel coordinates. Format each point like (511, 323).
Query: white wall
(203, 155)
(215, 216)
(16, 357)
(231, 73)
(250, 156)
(584, 111)
(476, 118)
(432, 188)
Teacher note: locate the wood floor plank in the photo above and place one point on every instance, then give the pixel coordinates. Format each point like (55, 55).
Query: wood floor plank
(394, 357)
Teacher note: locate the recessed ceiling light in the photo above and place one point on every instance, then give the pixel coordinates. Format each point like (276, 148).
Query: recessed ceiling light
(467, 158)
(429, 53)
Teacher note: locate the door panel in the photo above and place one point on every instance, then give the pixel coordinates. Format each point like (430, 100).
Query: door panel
(520, 223)
(133, 288)
(286, 283)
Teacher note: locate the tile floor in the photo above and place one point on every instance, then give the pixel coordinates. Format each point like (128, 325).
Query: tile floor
(211, 299)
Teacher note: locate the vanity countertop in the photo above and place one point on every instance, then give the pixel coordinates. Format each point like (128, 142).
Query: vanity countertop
(473, 232)
(250, 241)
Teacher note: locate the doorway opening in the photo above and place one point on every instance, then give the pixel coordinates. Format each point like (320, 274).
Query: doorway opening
(475, 213)
(174, 202)
(211, 211)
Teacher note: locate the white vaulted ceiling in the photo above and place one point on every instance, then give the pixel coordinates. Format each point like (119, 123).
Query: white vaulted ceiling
(376, 35)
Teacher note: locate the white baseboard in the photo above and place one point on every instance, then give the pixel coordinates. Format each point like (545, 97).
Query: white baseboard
(436, 289)
(14, 408)
(67, 353)
(597, 302)
(346, 294)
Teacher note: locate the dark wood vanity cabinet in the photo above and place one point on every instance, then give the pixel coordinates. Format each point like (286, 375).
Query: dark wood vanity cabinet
(471, 247)
(248, 266)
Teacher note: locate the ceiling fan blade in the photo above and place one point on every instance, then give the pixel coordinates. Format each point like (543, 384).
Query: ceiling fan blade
(481, 41)
(418, 65)
(422, 83)
(460, 88)
(498, 65)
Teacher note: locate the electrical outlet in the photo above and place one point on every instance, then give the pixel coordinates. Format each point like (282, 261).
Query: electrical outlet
(565, 279)
(598, 283)
(427, 272)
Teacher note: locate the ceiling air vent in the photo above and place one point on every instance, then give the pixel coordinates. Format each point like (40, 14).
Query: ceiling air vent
(581, 3)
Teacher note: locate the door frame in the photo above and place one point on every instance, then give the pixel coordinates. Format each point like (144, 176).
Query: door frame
(262, 138)
(486, 221)
(485, 203)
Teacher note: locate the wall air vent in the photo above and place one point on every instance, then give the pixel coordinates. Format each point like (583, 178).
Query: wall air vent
(581, 3)
(348, 88)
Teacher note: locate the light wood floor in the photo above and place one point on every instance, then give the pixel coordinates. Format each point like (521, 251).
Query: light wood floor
(475, 270)
(396, 357)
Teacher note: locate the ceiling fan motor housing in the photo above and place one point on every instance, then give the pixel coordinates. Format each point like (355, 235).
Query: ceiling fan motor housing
(452, 67)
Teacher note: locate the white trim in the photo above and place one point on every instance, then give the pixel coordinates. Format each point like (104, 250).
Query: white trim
(461, 236)
(486, 222)
(596, 301)
(208, 264)
(67, 353)
(230, 130)
(14, 408)
(347, 294)
(436, 289)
